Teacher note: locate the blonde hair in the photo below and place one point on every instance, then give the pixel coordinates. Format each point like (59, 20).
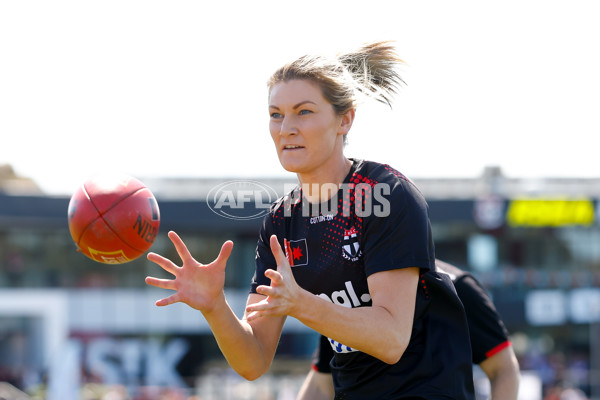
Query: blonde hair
(370, 70)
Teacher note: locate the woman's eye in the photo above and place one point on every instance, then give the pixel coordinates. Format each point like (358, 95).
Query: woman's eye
(305, 112)
(275, 115)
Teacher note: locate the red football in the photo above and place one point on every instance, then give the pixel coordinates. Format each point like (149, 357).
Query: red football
(113, 218)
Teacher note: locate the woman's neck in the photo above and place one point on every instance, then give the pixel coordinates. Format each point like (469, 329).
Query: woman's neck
(317, 188)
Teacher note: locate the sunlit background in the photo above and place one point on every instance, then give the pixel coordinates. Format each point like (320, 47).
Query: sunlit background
(497, 125)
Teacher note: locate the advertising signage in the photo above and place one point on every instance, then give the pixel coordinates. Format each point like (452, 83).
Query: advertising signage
(550, 212)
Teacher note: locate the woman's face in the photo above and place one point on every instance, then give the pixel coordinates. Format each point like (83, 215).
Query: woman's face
(306, 131)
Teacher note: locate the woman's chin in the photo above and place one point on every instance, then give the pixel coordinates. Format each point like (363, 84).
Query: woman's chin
(290, 166)
(291, 169)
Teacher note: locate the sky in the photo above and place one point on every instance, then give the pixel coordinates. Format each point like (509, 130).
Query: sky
(177, 88)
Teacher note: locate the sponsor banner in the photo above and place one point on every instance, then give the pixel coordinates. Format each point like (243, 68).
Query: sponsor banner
(541, 212)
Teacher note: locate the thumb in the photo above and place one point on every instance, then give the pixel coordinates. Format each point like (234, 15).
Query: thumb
(280, 256)
(224, 254)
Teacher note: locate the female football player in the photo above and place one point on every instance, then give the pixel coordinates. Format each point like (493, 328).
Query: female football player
(349, 252)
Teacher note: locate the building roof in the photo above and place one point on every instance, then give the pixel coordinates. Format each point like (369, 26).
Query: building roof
(490, 182)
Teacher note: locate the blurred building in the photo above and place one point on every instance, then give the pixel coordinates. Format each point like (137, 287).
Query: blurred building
(13, 184)
(533, 243)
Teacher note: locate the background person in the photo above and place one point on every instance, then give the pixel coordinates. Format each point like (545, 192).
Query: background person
(490, 343)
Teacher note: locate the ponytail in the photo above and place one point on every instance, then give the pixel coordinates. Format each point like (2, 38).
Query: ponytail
(370, 71)
(373, 68)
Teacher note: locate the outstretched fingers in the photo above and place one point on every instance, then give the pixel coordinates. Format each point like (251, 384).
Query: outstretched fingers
(164, 263)
(161, 283)
(172, 299)
(274, 276)
(224, 254)
(265, 290)
(181, 248)
(282, 261)
(195, 284)
(257, 310)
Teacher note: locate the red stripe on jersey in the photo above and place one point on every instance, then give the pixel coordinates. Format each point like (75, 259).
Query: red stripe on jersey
(288, 252)
(498, 348)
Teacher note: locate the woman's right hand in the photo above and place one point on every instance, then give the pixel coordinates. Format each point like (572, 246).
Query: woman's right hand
(198, 285)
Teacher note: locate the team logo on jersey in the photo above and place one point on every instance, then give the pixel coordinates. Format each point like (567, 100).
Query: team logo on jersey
(351, 247)
(296, 252)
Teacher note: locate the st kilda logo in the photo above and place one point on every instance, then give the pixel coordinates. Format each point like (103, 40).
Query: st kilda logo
(351, 247)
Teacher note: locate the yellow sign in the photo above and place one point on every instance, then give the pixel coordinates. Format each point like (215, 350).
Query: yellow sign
(550, 212)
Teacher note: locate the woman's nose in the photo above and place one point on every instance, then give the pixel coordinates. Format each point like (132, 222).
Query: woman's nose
(288, 127)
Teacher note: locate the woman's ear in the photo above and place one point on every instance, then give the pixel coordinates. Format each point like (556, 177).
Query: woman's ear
(346, 122)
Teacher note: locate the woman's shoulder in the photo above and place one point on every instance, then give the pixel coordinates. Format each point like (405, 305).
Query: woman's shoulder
(377, 173)
(367, 170)
(286, 201)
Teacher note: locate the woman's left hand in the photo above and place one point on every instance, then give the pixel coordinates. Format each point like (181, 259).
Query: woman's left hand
(283, 295)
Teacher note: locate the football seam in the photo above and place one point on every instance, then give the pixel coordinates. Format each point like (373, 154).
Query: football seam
(101, 215)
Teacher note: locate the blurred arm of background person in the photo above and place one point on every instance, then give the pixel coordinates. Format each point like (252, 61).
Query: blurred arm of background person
(502, 369)
(490, 344)
(317, 386)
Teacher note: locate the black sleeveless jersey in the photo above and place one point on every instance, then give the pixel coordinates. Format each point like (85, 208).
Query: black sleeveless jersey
(377, 221)
(486, 329)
